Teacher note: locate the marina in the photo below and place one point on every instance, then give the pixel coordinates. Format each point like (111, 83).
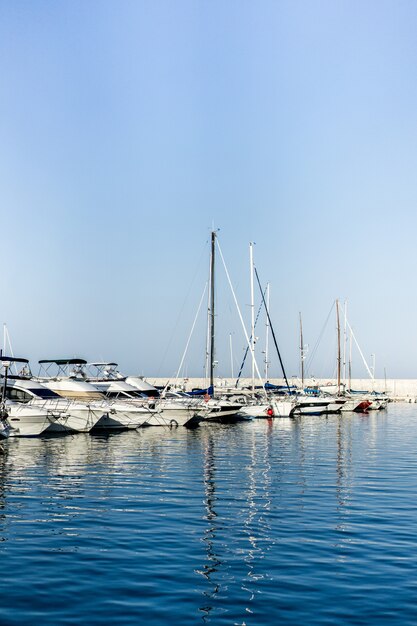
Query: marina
(73, 401)
(208, 383)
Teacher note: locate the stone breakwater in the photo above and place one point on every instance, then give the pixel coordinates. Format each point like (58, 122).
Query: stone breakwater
(397, 389)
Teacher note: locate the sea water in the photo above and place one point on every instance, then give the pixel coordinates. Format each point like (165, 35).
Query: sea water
(305, 521)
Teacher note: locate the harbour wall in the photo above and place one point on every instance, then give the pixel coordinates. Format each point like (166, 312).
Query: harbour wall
(397, 389)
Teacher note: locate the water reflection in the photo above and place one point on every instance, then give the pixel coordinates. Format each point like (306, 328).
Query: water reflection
(213, 562)
(343, 483)
(3, 474)
(250, 524)
(242, 533)
(258, 505)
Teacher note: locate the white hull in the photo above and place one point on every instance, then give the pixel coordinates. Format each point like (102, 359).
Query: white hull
(27, 421)
(282, 408)
(124, 415)
(78, 418)
(179, 412)
(353, 404)
(171, 417)
(314, 405)
(378, 404)
(257, 410)
(220, 410)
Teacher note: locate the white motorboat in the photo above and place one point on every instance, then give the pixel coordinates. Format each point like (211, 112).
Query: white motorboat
(24, 421)
(28, 421)
(126, 399)
(70, 383)
(70, 415)
(172, 409)
(222, 410)
(177, 409)
(142, 385)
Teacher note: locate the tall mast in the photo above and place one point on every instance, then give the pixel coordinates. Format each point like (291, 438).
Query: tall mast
(231, 355)
(252, 316)
(373, 371)
(267, 334)
(338, 346)
(344, 342)
(302, 352)
(350, 360)
(213, 247)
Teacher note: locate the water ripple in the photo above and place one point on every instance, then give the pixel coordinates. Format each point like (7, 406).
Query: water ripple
(295, 521)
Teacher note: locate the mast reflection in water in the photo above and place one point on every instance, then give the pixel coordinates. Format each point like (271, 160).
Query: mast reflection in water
(213, 563)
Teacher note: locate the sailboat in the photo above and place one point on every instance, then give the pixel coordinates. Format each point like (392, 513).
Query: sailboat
(265, 405)
(219, 409)
(342, 397)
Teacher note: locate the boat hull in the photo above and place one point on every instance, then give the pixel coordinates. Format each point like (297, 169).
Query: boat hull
(77, 418)
(26, 421)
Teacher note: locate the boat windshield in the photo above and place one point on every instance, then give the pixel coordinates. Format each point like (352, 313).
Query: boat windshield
(44, 393)
(124, 394)
(26, 395)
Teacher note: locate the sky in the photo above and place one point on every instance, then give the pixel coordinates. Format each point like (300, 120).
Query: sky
(129, 129)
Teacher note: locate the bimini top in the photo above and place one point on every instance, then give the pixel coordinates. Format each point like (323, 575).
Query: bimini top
(64, 361)
(103, 364)
(13, 359)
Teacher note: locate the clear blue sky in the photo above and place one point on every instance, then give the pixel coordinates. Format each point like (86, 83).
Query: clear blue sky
(128, 128)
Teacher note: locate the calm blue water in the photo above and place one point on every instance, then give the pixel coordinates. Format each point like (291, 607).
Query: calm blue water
(312, 521)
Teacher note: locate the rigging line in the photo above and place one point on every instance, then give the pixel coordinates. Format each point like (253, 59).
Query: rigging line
(188, 341)
(313, 352)
(272, 331)
(371, 375)
(247, 347)
(192, 330)
(240, 314)
(180, 314)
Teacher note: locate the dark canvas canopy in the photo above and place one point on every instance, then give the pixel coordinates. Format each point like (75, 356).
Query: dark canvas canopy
(13, 359)
(65, 361)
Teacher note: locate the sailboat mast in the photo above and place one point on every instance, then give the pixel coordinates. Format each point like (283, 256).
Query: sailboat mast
(301, 352)
(231, 355)
(213, 247)
(344, 342)
(338, 346)
(267, 334)
(350, 360)
(252, 307)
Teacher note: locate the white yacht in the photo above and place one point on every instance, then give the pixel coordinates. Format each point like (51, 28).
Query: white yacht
(70, 415)
(173, 409)
(70, 382)
(24, 421)
(28, 421)
(142, 385)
